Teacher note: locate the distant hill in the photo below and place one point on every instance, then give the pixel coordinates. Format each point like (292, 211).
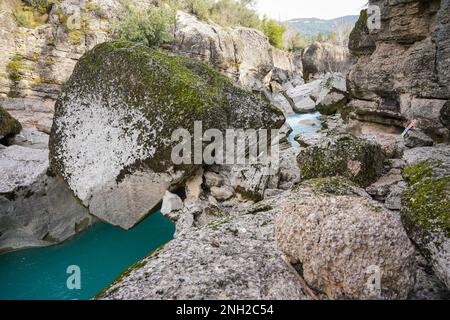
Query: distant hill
(310, 27)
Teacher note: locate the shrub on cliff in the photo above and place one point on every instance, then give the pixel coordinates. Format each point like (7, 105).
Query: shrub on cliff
(274, 31)
(152, 26)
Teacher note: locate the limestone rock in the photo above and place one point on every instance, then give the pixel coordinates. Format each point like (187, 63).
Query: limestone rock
(416, 138)
(171, 202)
(9, 126)
(37, 209)
(234, 257)
(382, 187)
(213, 179)
(426, 206)
(331, 103)
(359, 160)
(321, 58)
(111, 137)
(243, 54)
(360, 40)
(222, 193)
(342, 240)
(402, 68)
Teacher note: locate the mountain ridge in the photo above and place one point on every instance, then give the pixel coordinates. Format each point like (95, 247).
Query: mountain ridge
(310, 27)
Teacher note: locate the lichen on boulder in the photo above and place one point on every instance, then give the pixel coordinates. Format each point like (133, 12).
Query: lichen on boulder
(358, 160)
(426, 213)
(111, 136)
(343, 240)
(9, 126)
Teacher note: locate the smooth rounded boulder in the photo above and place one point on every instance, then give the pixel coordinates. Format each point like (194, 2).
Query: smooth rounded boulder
(114, 119)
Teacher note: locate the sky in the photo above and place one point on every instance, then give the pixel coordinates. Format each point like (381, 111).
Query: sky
(324, 9)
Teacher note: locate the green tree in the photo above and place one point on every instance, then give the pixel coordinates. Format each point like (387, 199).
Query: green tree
(152, 26)
(297, 42)
(199, 8)
(274, 31)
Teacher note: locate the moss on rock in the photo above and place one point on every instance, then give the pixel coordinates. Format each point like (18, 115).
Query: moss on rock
(330, 185)
(360, 41)
(8, 125)
(358, 160)
(426, 202)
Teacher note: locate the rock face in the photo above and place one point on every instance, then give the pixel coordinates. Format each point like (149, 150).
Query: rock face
(331, 103)
(9, 126)
(234, 257)
(342, 240)
(321, 58)
(37, 59)
(402, 69)
(36, 208)
(426, 205)
(111, 137)
(243, 54)
(357, 159)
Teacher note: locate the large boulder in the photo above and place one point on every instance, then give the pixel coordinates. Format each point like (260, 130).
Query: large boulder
(36, 208)
(426, 205)
(321, 58)
(345, 242)
(9, 126)
(359, 160)
(111, 136)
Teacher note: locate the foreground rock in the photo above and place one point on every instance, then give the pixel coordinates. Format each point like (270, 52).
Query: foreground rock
(343, 240)
(111, 136)
(36, 208)
(426, 205)
(9, 126)
(359, 160)
(234, 257)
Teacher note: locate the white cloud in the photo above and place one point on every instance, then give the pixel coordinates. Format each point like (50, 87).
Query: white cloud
(324, 9)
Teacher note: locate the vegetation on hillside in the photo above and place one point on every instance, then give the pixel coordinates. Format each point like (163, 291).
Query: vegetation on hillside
(232, 13)
(151, 27)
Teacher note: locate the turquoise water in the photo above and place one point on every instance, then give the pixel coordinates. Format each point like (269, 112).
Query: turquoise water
(102, 252)
(303, 123)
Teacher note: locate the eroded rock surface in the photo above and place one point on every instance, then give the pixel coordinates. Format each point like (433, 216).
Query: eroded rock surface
(233, 257)
(36, 208)
(402, 69)
(426, 205)
(341, 238)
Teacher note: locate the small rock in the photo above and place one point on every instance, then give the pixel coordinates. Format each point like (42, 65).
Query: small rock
(8, 125)
(213, 179)
(222, 193)
(394, 198)
(382, 187)
(416, 138)
(331, 103)
(171, 202)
